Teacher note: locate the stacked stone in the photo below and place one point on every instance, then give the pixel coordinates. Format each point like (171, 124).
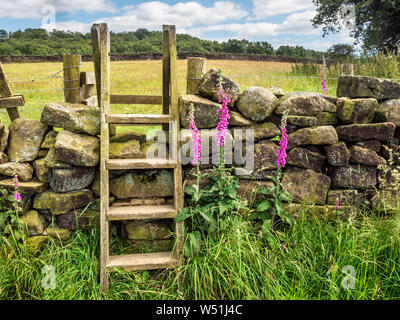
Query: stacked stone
(369, 112)
(335, 145)
(335, 149)
(141, 187)
(59, 173)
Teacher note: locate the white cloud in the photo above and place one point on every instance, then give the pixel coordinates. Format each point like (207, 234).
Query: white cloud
(296, 23)
(270, 8)
(151, 15)
(32, 9)
(299, 23)
(73, 26)
(319, 45)
(241, 30)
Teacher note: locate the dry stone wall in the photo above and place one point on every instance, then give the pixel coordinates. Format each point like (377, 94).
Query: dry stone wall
(56, 160)
(336, 149)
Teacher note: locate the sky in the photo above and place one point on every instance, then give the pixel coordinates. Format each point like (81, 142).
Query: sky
(280, 22)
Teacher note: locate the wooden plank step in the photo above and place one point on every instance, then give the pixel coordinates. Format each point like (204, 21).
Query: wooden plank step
(127, 164)
(12, 102)
(91, 101)
(128, 119)
(142, 261)
(141, 212)
(135, 99)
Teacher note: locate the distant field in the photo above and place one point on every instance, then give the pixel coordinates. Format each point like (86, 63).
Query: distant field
(144, 77)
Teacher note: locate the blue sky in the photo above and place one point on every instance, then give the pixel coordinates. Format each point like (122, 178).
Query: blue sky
(280, 22)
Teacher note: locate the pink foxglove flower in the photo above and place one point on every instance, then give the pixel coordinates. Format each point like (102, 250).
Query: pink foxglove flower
(224, 115)
(196, 140)
(337, 204)
(281, 162)
(323, 84)
(17, 196)
(16, 181)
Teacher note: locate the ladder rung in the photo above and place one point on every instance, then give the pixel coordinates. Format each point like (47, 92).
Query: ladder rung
(135, 99)
(141, 212)
(139, 118)
(127, 164)
(142, 261)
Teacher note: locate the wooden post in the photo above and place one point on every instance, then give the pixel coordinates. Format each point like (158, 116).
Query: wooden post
(174, 131)
(101, 59)
(196, 68)
(72, 68)
(5, 92)
(165, 76)
(347, 69)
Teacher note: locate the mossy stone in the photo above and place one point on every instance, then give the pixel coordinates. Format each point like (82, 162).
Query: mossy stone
(26, 136)
(73, 117)
(49, 140)
(302, 121)
(147, 230)
(77, 149)
(30, 187)
(256, 103)
(33, 223)
(125, 150)
(356, 110)
(35, 244)
(326, 118)
(205, 111)
(324, 135)
(157, 183)
(42, 171)
(24, 171)
(62, 203)
(58, 233)
(306, 186)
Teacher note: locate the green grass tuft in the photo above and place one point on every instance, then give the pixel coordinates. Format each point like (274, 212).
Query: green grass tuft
(235, 264)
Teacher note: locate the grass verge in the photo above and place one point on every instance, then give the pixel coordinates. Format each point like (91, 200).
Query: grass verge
(235, 264)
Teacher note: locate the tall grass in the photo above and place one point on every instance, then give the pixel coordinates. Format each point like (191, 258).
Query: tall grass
(380, 65)
(234, 264)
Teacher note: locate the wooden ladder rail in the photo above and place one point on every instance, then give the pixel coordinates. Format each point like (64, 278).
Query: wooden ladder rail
(7, 99)
(101, 59)
(170, 122)
(169, 40)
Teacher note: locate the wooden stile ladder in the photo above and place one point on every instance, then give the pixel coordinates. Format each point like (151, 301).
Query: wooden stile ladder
(170, 122)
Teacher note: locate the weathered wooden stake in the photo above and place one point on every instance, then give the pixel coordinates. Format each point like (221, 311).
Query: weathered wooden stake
(5, 92)
(72, 70)
(169, 33)
(101, 59)
(166, 77)
(196, 68)
(347, 69)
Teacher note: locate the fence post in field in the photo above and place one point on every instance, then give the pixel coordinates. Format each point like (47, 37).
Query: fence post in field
(196, 68)
(347, 69)
(72, 68)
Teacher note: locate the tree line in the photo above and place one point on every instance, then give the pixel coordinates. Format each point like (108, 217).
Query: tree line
(41, 42)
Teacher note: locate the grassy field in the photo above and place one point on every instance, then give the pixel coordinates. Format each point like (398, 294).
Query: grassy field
(144, 77)
(233, 264)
